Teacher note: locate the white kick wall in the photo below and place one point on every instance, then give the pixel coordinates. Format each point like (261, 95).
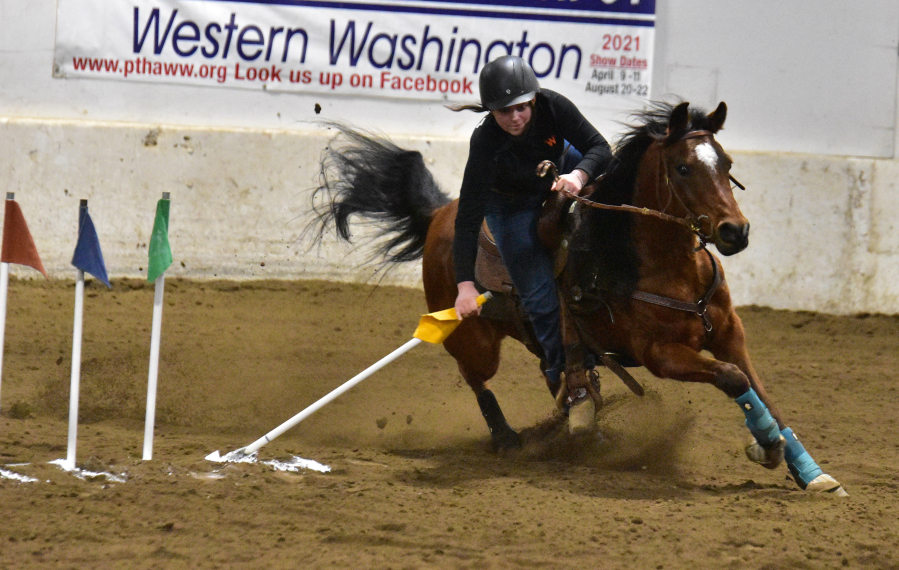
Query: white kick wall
(812, 93)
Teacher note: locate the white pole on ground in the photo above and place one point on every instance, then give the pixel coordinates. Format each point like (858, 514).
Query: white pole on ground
(154, 367)
(4, 290)
(253, 447)
(74, 385)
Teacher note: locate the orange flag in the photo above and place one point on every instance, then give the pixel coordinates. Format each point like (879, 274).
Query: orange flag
(18, 247)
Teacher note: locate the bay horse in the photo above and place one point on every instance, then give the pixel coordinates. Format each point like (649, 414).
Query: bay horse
(638, 290)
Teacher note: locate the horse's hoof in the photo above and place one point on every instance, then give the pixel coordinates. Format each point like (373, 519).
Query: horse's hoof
(768, 457)
(506, 440)
(582, 417)
(824, 483)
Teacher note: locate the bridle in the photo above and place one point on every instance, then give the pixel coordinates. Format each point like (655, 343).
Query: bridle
(691, 221)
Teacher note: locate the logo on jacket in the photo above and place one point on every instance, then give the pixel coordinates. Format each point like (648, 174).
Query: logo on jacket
(551, 141)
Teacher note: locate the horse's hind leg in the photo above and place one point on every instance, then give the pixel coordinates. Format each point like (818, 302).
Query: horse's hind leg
(501, 433)
(476, 350)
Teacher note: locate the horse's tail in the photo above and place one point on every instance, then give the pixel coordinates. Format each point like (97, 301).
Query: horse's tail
(390, 186)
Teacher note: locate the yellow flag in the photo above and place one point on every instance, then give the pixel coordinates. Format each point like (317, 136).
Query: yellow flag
(435, 327)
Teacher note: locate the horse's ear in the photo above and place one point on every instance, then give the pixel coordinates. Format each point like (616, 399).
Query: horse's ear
(678, 121)
(716, 118)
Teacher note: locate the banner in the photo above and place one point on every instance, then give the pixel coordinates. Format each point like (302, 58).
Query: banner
(596, 52)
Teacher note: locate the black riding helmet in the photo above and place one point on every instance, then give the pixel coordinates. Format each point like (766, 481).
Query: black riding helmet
(506, 81)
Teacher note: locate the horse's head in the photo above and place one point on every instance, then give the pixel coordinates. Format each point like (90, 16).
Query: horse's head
(694, 178)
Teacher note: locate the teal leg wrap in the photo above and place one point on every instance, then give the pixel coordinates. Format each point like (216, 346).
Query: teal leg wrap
(758, 419)
(800, 463)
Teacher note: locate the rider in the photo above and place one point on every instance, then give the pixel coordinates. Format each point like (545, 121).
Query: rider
(525, 126)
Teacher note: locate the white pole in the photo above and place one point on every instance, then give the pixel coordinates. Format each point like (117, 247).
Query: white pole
(253, 447)
(154, 367)
(4, 289)
(74, 385)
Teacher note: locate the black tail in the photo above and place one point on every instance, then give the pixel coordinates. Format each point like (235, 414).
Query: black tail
(375, 179)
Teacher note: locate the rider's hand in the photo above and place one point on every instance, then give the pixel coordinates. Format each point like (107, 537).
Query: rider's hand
(572, 182)
(466, 301)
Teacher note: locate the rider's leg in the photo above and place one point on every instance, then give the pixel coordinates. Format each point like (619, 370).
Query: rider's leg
(531, 268)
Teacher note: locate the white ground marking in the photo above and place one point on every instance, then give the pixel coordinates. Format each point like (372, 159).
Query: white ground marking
(4, 474)
(707, 154)
(85, 474)
(295, 464)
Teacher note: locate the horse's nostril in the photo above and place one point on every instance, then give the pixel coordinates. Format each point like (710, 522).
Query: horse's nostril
(733, 233)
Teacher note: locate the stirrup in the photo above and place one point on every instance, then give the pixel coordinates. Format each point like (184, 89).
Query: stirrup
(589, 391)
(581, 404)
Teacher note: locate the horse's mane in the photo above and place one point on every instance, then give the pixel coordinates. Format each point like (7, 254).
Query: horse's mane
(604, 237)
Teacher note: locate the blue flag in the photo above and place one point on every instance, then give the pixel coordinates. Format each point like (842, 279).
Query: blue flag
(88, 257)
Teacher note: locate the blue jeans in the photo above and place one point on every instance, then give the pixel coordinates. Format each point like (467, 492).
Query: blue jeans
(514, 227)
(513, 223)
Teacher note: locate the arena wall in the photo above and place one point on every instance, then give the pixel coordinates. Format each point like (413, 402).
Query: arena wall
(824, 231)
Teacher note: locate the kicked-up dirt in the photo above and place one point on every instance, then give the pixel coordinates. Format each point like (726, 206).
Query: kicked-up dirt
(413, 483)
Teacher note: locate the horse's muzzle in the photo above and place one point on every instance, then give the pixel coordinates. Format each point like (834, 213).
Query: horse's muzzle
(732, 238)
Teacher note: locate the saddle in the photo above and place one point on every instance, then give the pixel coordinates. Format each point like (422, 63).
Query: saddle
(491, 273)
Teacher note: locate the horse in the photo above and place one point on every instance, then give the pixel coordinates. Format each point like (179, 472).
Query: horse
(638, 285)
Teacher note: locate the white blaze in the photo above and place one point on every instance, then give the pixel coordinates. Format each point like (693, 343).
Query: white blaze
(706, 153)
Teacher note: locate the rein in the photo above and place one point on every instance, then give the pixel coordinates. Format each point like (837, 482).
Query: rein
(691, 222)
(547, 167)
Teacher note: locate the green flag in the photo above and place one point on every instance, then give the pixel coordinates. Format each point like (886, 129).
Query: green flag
(160, 251)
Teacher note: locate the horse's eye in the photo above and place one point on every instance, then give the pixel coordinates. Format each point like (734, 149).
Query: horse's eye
(683, 170)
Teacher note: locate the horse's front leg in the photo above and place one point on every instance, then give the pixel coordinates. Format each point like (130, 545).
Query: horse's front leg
(772, 441)
(680, 362)
(731, 347)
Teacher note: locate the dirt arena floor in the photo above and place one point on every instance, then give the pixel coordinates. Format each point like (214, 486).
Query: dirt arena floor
(413, 483)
